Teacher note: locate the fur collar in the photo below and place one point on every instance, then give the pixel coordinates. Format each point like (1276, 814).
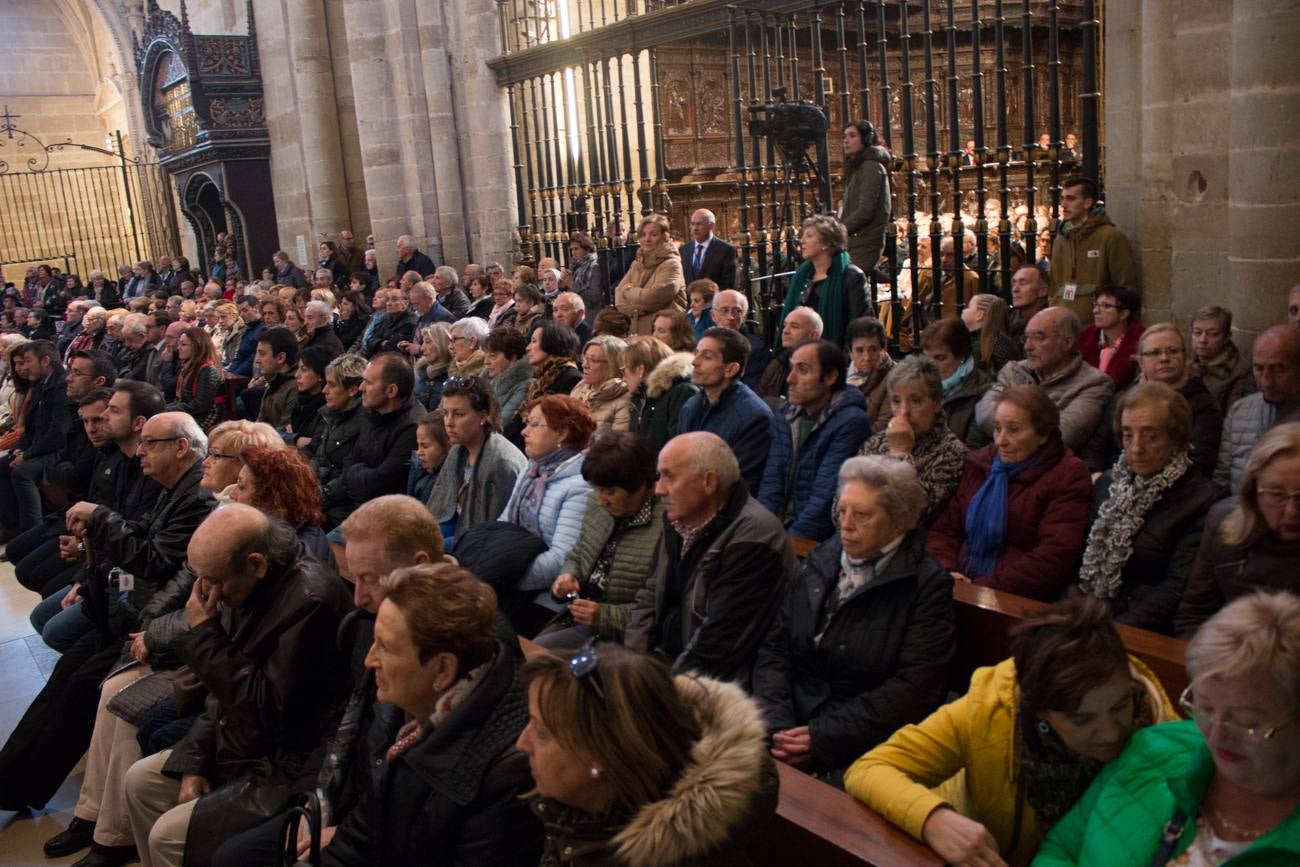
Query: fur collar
(667, 372)
(716, 791)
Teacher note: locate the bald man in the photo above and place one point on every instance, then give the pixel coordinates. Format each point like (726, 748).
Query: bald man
(1053, 363)
(707, 255)
(1276, 365)
(263, 616)
(720, 569)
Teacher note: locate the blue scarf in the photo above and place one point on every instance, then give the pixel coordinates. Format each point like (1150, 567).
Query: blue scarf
(952, 383)
(986, 518)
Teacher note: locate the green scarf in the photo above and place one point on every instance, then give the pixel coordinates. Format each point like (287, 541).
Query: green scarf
(831, 304)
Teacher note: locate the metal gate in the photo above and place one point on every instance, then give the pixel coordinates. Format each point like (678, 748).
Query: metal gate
(627, 106)
(83, 218)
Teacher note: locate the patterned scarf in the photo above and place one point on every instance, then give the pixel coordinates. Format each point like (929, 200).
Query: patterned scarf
(414, 730)
(986, 517)
(1110, 541)
(532, 484)
(547, 372)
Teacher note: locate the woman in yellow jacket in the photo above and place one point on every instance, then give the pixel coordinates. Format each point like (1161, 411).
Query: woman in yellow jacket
(1029, 735)
(654, 281)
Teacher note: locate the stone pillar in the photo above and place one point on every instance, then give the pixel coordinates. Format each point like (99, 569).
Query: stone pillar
(1263, 206)
(306, 157)
(483, 130)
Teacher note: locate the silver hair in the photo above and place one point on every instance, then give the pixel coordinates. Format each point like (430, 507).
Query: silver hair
(474, 328)
(1213, 311)
(406, 241)
(919, 369)
(713, 220)
(448, 273)
(320, 307)
(894, 481)
(325, 271)
(188, 428)
(742, 300)
(813, 316)
(614, 347)
(135, 323)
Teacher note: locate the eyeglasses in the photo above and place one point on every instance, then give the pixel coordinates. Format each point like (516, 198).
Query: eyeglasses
(730, 311)
(220, 456)
(1104, 305)
(150, 442)
(1205, 719)
(535, 424)
(585, 668)
(1276, 498)
(1167, 352)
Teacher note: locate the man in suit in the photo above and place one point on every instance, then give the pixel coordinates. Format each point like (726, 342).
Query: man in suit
(707, 255)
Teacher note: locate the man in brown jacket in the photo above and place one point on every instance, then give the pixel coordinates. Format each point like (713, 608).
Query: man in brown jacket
(1089, 253)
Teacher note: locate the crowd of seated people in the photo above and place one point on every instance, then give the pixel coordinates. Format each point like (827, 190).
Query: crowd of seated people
(721, 552)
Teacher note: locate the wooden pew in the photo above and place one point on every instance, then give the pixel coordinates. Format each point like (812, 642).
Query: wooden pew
(985, 617)
(817, 824)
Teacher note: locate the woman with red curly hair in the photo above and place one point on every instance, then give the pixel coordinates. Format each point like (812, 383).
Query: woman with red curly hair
(280, 482)
(550, 495)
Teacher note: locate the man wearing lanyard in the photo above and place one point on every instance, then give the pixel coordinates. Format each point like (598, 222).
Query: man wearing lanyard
(1089, 251)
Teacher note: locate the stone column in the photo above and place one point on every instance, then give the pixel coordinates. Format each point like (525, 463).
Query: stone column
(482, 121)
(1263, 206)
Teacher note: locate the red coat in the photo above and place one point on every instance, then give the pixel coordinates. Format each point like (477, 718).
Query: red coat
(1123, 365)
(1047, 523)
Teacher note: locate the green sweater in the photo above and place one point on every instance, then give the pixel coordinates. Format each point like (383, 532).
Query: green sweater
(633, 558)
(1120, 819)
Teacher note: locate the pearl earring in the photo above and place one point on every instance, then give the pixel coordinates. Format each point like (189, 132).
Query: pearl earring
(595, 772)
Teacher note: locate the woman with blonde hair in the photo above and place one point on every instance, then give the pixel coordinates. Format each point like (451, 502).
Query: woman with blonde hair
(226, 444)
(827, 281)
(635, 766)
(229, 331)
(602, 388)
(654, 281)
(431, 367)
(660, 384)
(1252, 541)
(985, 316)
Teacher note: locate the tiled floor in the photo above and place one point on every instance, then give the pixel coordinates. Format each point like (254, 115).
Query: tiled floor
(25, 662)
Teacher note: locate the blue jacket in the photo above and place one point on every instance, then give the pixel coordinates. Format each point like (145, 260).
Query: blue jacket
(242, 365)
(837, 435)
(743, 421)
(563, 508)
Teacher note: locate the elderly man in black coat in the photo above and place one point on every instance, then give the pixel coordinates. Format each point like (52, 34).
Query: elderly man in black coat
(263, 615)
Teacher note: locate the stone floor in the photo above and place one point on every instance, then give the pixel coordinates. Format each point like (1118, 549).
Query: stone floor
(25, 662)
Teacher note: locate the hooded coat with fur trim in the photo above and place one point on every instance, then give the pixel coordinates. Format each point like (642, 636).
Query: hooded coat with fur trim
(718, 805)
(659, 398)
(654, 282)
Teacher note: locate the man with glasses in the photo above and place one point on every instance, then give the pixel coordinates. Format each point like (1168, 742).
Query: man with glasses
(730, 310)
(1053, 363)
(1276, 364)
(133, 557)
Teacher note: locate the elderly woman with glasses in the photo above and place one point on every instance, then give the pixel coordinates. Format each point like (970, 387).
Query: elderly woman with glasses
(602, 388)
(442, 779)
(1252, 541)
(466, 343)
(865, 634)
(1147, 512)
(1222, 787)
(635, 766)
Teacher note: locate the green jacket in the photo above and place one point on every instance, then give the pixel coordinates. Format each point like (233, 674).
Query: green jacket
(1121, 817)
(1091, 255)
(632, 561)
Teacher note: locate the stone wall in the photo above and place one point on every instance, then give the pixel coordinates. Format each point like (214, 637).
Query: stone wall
(1202, 162)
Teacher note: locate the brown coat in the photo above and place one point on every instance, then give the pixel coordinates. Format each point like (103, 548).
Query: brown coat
(609, 403)
(654, 282)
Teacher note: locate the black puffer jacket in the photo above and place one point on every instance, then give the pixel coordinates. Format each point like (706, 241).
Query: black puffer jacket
(333, 450)
(275, 679)
(1164, 549)
(453, 798)
(882, 661)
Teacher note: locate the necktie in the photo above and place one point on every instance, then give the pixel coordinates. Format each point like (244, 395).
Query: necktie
(698, 260)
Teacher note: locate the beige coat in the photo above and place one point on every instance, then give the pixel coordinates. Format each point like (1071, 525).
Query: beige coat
(654, 282)
(608, 403)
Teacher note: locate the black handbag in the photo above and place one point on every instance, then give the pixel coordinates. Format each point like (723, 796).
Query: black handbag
(304, 807)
